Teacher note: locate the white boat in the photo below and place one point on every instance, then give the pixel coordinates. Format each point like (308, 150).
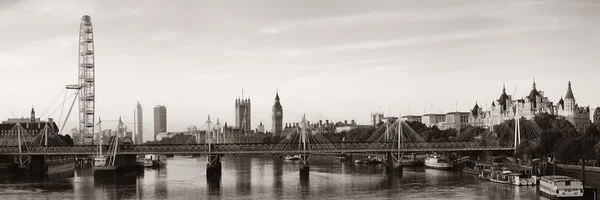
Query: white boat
(561, 187)
(99, 160)
(295, 157)
(438, 162)
(369, 160)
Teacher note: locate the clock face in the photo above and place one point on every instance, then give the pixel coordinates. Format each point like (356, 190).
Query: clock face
(278, 113)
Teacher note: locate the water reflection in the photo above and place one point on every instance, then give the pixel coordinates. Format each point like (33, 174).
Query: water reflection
(277, 177)
(160, 187)
(243, 185)
(304, 187)
(272, 178)
(214, 185)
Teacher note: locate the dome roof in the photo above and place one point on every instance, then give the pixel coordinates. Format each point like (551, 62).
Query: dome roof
(569, 94)
(597, 110)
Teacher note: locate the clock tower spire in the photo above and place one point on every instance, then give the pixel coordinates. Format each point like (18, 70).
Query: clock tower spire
(277, 116)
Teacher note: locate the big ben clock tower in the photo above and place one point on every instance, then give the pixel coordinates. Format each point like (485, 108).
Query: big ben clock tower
(277, 116)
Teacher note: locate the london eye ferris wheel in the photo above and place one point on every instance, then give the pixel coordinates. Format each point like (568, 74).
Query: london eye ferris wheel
(86, 83)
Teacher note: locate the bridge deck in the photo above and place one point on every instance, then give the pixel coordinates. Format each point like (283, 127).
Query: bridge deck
(255, 148)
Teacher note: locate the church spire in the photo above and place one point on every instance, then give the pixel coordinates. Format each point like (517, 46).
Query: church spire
(569, 92)
(534, 83)
(277, 95)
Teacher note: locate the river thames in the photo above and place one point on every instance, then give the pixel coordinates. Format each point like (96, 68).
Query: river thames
(266, 177)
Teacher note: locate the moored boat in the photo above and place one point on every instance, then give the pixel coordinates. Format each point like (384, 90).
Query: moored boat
(369, 160)
(410, 160)
(561, 187)
(485, 174)
(295, 157)
(511, 177)
(500, 176)
(152, 160)
(438, 162)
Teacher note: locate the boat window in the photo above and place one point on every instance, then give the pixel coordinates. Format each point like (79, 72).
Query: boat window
(567, 183)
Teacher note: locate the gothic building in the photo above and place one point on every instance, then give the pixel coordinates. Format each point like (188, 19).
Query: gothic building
(568, 108)
(501, 109)
(505, 108)
(243, 115)
(31, 128)
(535, 103)
(277, 116)
(478, 117)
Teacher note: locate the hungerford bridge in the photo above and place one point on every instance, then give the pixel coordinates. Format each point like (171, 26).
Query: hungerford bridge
(392, 139)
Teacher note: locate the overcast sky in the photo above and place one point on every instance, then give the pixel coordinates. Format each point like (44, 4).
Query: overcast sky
(329, 59)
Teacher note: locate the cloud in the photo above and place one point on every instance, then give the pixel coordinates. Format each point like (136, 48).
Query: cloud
(465, 35)
(163, 35)
(535, 2)
(411, 15)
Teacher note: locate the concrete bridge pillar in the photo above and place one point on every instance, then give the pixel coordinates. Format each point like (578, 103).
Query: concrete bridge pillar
(304, 165)
(213, 167)
(392, 163)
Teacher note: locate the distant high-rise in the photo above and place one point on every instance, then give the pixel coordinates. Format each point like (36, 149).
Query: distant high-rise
(243, 115)
(139, 134)
(277, 116)
(160, 120)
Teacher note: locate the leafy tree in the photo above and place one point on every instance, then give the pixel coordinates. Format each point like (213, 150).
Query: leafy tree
(547, 143)
(545, 120)
(569, 150)
(592, 131)
(67, 139)
(525, 147)
(565, 127)
(587, 147)
(417, 126)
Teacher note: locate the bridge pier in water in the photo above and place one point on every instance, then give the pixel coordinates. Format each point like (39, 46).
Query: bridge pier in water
(213, 167)
(304, 165)
(392, 163)
(46, 166)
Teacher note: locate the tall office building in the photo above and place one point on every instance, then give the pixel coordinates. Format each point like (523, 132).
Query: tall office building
(139, 132)
(277, 116)
(160, 120)
(243, 117)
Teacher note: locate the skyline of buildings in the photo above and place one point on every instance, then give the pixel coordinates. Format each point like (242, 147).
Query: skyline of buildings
(503, 108)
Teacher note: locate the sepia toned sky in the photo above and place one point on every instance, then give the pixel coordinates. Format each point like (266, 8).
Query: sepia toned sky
(334, 59)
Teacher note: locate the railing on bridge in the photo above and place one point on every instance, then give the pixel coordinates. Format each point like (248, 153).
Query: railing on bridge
(257, 148)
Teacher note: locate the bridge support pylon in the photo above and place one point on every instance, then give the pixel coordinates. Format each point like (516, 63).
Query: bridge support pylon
(392, 163)
(304, 165)
(213, 167)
